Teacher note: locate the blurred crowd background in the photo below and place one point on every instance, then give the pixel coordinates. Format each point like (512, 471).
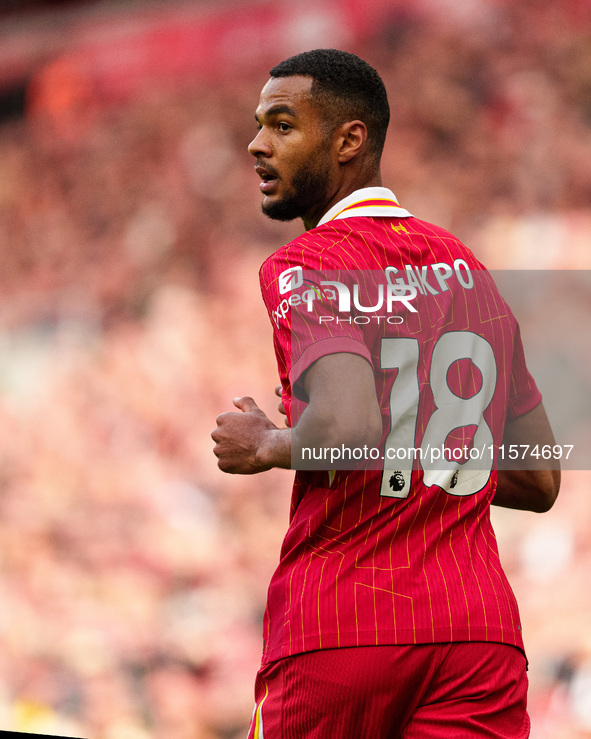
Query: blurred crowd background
(133, 573)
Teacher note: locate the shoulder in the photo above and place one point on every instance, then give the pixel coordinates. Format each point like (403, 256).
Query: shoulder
(317, 243)
(321, 248)
(442, 242)
(366, 243)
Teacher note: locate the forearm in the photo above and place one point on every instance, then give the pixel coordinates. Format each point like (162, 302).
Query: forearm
(342, 409)
(275, 449)
(324, 424)
(292, 448)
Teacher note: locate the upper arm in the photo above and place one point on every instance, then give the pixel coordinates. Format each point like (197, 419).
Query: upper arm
(529, 482)
(530, 428)
(342, 400)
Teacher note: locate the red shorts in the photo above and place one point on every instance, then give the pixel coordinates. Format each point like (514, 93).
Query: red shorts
(426, 691)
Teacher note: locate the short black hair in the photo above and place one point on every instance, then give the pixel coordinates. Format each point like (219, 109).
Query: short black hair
(346, 88)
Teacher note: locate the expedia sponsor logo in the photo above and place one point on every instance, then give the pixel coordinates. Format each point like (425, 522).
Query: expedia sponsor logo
(399, 288)
(291, 279)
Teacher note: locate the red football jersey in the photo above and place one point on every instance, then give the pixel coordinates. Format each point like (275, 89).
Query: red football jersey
(396, 545)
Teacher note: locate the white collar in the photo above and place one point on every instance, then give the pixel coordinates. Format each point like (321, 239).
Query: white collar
(368, 201)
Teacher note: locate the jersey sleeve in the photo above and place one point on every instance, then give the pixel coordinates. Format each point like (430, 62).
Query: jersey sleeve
(304, 314)
(524, 395)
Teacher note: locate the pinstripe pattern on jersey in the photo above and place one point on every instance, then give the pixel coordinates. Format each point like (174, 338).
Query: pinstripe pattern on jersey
(359, 569)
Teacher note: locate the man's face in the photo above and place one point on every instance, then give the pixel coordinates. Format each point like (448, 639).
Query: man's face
(293, 151)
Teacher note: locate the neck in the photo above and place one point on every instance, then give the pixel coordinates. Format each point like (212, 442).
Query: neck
(374, 180)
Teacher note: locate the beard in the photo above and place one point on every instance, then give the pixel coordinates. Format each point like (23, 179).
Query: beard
(309, 186)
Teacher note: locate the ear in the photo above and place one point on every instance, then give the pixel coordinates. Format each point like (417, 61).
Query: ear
(351, 140)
